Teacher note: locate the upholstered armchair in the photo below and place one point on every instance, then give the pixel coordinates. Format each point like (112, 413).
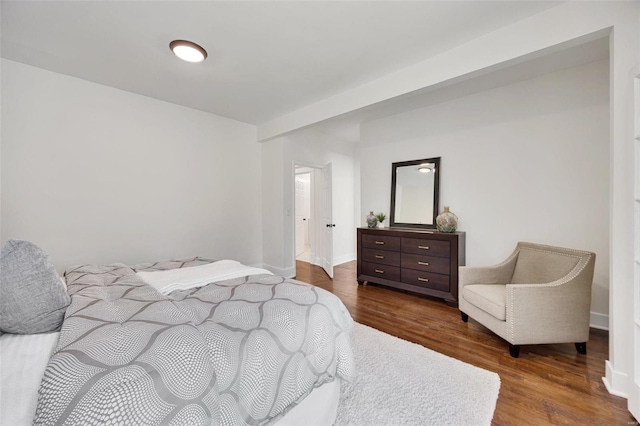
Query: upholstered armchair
(540, 294)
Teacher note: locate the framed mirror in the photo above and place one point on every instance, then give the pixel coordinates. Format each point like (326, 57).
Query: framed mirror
(415, 187)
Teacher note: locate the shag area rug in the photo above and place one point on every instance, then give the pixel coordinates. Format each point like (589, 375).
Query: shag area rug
(401, 383)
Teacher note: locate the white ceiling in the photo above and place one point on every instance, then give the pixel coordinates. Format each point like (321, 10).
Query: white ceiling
(266, 58)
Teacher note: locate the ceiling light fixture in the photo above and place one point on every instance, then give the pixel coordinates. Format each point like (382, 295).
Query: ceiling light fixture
(188, 51)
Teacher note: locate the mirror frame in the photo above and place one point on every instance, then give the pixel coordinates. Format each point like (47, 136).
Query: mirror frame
(436, 193)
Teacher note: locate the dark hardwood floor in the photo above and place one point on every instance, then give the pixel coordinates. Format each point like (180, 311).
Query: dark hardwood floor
(548, 384)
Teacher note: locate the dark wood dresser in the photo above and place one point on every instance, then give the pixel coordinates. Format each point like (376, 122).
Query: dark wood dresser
(420, 261)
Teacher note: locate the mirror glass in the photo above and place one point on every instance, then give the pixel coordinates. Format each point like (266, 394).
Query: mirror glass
(414, 193)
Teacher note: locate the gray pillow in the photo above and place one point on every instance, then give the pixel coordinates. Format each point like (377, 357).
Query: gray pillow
(32, 298)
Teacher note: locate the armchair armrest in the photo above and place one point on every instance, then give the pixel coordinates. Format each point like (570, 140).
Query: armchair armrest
(553, 312)
(497, 274)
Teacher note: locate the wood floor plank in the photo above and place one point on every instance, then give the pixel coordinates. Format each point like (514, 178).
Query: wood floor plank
(548, 384)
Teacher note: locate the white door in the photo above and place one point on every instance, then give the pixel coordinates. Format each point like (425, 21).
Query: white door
(300, 219)
(326, 251)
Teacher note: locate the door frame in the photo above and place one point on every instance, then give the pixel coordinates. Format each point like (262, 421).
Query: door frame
(633, 401)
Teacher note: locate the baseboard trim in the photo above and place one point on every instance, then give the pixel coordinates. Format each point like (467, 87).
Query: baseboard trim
(317, 260)
(257, 265)
(599, 321)
(283, 272)
(615, 382)
(344, 259)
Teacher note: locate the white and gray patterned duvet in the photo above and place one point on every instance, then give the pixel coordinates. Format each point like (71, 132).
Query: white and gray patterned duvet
(240, 351)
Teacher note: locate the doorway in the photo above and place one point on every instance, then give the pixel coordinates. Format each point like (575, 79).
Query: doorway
(303, 218)
(313, 217)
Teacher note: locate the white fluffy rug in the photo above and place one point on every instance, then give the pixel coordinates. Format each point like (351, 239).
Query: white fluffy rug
(401, 383)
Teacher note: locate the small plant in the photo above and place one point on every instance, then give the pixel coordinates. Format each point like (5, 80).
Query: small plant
(381, 217)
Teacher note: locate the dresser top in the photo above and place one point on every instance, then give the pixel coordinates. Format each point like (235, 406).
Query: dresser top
(411, 230)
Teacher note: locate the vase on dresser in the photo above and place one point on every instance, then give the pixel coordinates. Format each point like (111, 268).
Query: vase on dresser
(371, 220)
(447, 221)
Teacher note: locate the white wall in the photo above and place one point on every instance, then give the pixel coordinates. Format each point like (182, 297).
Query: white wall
(524, 162)
(96, 175)
(273, 212)
(307, 147)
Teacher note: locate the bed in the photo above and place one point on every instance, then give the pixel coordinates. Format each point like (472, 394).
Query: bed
(182, 342)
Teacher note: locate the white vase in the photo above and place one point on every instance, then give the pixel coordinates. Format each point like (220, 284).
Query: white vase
(380, 224)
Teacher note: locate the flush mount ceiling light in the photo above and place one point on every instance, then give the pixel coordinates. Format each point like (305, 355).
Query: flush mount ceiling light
(188, 51)
(425, 168)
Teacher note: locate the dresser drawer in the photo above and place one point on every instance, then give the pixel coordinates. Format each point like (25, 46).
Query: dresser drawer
(381, 256)
(382, 242)
(383, 271)
(426, 247)
(439, 265)
(426, 279)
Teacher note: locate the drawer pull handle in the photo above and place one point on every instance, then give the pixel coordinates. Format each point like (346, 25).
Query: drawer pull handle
(424, 247)
(379, 257)
(379, 271)
(379, 242)
(423, 263)
(426, 280)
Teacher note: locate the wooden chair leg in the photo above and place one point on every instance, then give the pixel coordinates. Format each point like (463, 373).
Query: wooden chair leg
(581, 348)
(514, 350)
(465, 317)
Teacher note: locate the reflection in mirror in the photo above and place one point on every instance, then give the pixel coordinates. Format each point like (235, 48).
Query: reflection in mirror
(414, 193)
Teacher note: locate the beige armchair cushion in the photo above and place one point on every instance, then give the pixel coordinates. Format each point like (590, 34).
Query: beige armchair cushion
(488, 297)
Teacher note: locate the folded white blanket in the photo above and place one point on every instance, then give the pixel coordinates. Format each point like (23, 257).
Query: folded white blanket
(197, 276)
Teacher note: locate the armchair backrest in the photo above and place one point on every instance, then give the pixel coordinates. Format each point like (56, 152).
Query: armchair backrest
(539, 263)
